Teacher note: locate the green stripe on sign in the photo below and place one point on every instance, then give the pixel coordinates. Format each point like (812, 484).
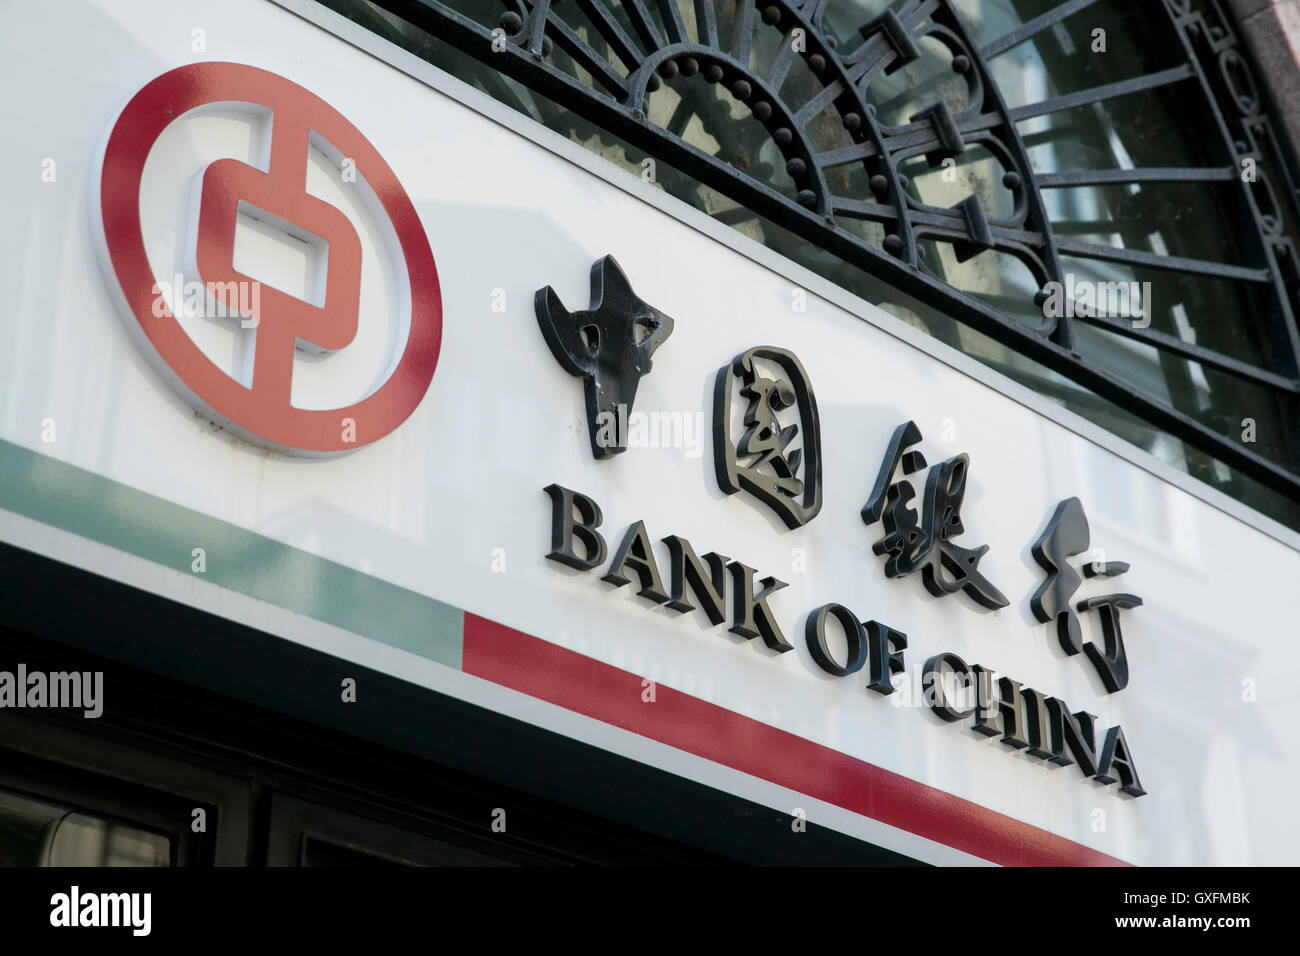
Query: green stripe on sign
(73, 499)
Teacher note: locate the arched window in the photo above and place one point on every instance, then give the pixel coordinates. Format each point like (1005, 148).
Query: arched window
(1087, 195)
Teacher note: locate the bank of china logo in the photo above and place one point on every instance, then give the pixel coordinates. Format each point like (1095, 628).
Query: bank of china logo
(175, 315)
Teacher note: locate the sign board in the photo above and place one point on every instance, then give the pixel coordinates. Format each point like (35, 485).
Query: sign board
(822, 620)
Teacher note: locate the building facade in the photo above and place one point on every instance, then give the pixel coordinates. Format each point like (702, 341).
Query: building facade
(570, 431)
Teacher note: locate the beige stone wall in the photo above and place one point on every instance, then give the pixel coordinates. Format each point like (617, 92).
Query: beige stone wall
(1272, 30)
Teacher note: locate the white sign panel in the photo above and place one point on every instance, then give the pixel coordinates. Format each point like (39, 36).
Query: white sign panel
(252, 456)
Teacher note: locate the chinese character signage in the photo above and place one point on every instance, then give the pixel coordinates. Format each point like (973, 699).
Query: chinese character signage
(767, 443)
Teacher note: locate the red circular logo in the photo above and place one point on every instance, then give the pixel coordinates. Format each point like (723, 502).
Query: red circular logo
(260, 409)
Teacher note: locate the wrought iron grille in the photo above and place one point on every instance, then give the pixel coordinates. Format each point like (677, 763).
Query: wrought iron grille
(770, 77)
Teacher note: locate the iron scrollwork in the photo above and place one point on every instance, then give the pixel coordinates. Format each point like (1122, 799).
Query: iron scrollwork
(617, 53)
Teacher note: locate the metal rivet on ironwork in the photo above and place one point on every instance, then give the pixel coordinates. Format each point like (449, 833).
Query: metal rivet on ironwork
(652, 82)
(960, 63)
(668, 69)
(771, 15)
(806, 197)
(903, 181)
(762, 111)
(783, 136)
(1011, 180)
(511, 22)
(879, 184)
(713, 73)
(893, 244)
(690, 66)
(741, 89)
(852, 121)
(796, 167)
(817, 62)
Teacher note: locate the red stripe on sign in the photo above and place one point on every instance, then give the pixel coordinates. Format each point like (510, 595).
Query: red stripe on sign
(587, 686)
